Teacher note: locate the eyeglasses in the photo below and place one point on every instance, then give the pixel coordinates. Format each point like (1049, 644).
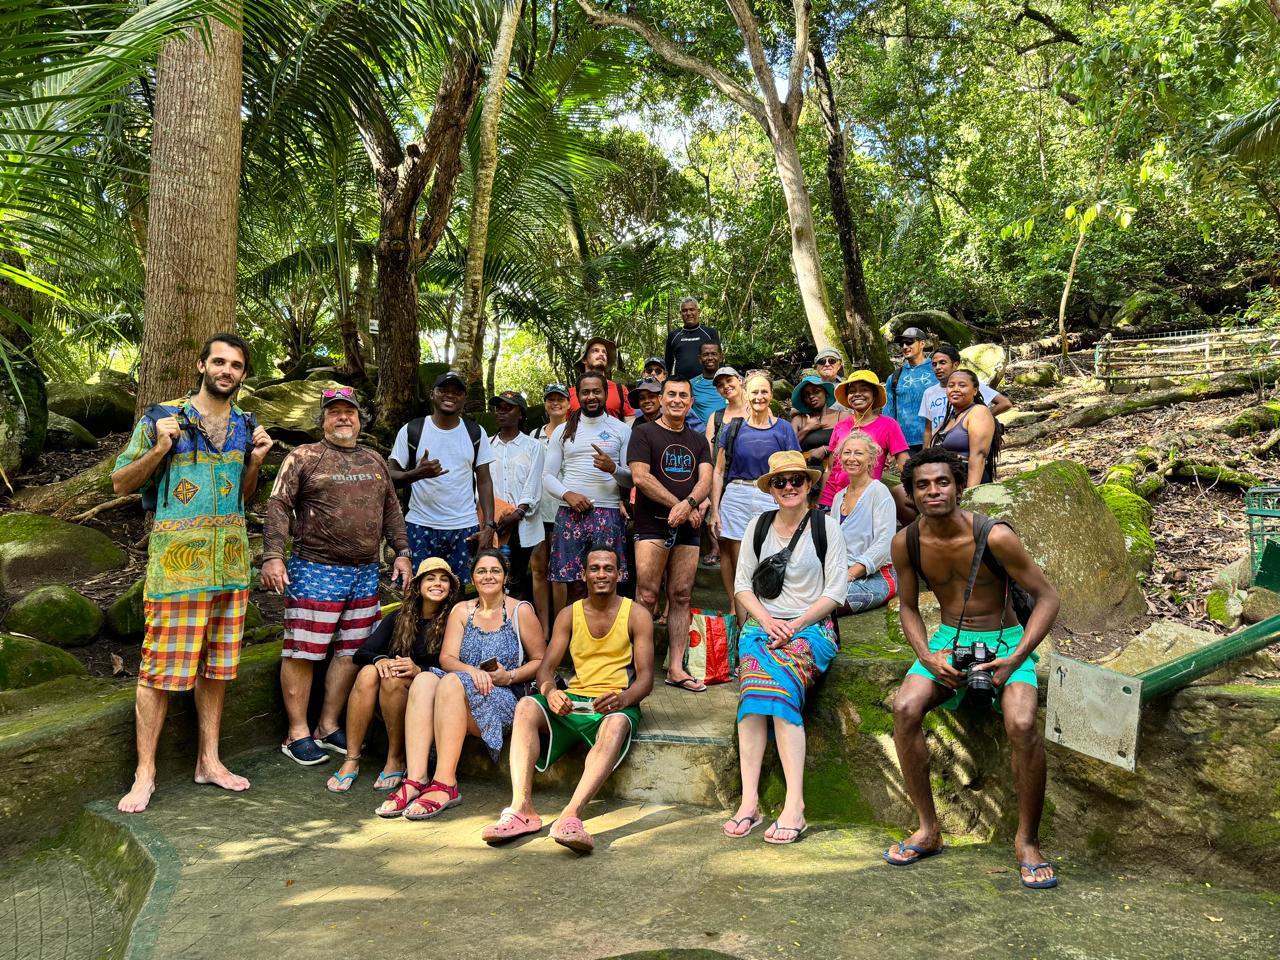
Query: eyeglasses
(331, 392)
(827, 362)
(907, 341)
(796, 480)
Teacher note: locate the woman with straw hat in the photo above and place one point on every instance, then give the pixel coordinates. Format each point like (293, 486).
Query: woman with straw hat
(864, 394)
(787, 587)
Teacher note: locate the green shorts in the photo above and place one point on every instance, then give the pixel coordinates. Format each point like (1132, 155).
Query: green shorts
(944, 636)
(564, 732)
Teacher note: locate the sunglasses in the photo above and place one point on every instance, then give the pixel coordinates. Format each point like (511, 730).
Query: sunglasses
(796, 480)
(827, 362)
(907, 341)
(331, 392)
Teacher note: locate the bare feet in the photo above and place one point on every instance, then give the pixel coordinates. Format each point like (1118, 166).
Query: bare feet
(219, 776)
(136, 800)
(927, 840)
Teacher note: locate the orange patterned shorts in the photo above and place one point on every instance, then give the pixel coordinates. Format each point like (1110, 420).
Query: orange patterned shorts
(192, 633)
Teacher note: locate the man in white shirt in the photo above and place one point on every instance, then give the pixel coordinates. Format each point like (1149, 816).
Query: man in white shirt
(585, 464)
(448, 466)
(517, 479)
(933, 405)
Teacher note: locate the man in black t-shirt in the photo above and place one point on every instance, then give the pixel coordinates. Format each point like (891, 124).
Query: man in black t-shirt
(685, 342)
(671, 468)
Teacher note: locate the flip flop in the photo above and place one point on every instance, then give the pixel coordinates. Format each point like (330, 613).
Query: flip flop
(798, 831)
(920, 854)
(345, 780)
(684, 685)
(753, 819)
(1044, 884)
(569, 832)
(382, 782)
(510, 826)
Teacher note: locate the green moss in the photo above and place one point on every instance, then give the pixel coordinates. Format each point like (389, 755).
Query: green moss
(125, 617)
(25, 662)
(1134, 515)
(1217, 607)
(55, 614)
(1099, 840)
(868, 698)
(36, 549)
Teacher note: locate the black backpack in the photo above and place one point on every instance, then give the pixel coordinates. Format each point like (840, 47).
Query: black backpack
(1023, 602)
(415, 437)
(735, 427)
(150, 491)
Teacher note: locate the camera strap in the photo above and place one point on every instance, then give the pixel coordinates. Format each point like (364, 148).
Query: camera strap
(981, 529)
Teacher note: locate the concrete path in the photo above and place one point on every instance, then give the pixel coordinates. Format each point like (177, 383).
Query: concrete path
(289, 872)
(53, 905)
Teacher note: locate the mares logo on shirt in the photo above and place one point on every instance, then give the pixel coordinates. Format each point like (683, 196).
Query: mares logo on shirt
(677, 463)
(354, 477)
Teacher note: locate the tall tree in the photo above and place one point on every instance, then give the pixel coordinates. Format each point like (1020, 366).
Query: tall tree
(472, 326)
(195, 172)
(779, 119)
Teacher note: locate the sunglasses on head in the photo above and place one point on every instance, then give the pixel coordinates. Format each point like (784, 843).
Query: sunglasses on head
(796, 480)
(331, 392)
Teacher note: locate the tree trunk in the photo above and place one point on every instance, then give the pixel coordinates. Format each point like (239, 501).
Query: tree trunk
(860, 333)
(471, 327)
(195, 174)
(362, 302)
(353, 362)
(493, 359)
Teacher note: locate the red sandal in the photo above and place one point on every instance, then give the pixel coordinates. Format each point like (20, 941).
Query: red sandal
(431, 808)
(401, 798)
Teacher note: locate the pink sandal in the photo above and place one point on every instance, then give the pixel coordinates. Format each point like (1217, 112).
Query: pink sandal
(510, 825)
(433, 808)
(401, 799)
(569, 832)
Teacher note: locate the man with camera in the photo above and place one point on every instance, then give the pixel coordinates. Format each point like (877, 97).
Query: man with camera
(980, 650)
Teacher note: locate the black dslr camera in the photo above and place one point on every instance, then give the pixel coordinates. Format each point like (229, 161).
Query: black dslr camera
(978, 681)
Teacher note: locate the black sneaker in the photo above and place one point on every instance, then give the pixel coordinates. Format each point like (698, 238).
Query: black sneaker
(304, 751)
(335, 742)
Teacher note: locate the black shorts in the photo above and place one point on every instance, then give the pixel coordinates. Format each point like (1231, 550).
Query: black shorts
(686, 536)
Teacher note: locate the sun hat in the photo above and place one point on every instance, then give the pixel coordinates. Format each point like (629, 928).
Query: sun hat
(434, 563)
(610, 346)
(862, 376)
(787, 461)
(797, 395)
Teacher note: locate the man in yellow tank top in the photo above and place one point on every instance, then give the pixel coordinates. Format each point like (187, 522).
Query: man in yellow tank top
(611, 641)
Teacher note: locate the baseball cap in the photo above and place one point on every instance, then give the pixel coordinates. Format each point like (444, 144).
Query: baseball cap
(449, 376)
(826, 354)
(512, 397)
(340, 394)
(911, 333)
(655, 360)
(726, 372)
(644, 385)
(551, 388)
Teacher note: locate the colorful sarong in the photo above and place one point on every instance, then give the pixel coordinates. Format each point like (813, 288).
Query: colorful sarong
(449, 545)
(192, 633)
(325, 599)
(774, 682)
(577, 531)
(1004, 642)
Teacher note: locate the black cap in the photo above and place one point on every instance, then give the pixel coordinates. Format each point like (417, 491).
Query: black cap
(513, 398)
(658, 360)
(448, 377)
(551, 388)
(911, 333)
(645, 385)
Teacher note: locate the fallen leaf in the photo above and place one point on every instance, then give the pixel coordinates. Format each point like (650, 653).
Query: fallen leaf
(117, 666)
(290, 883)
(1213, 919)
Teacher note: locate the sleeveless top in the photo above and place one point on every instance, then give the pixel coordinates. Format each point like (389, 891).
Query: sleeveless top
(957, 441)
(479, 645)
(603, 664)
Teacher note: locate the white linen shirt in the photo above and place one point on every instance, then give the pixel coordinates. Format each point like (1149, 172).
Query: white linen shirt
(516, 472)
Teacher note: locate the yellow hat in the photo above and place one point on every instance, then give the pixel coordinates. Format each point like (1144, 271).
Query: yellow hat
(862, 376)
(787, 461)
(435, 563)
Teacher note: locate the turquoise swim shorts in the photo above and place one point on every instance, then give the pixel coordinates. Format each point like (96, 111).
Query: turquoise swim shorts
(1004, 643)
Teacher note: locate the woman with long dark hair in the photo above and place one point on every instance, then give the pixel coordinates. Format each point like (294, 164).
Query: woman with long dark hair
(968, 427)
(404, 648)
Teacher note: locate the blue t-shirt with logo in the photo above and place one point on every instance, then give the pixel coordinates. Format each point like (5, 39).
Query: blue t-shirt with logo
(706, 398)
(906, 390)
(673, 459)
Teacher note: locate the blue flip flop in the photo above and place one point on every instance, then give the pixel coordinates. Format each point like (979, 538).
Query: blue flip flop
(347, 778)
(378, 784)
(920, 854)
(1044, 884)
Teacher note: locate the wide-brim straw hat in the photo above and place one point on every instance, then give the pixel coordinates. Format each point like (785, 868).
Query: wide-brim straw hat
(609, 345)
(797, 395)
(862, 376)
(787, 461)
(428, 565)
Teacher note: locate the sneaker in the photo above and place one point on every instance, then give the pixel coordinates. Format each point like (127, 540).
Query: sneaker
(304, 751)
(335, 742)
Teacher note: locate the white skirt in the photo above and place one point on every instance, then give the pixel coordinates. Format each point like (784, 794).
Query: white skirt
(740, 503)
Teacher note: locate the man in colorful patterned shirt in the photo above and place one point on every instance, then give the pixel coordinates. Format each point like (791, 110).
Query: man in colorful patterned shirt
(343, 505)
(200, 455)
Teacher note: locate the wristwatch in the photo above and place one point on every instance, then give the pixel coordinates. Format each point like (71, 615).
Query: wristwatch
(693, 504)
(404, 554)
(492, 525)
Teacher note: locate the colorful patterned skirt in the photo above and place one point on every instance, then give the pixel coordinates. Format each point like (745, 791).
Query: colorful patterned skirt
(575, 532)
(774, 682)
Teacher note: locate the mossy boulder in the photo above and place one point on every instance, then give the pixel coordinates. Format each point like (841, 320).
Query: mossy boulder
(1134, 515)
(55, 614)
(35, 550)
(290, 411)
(1260, 604)
(940, 326)
(1037, 375)
(23, 415)
(1225, 607)
(118, 378)
(126, 617)
(100, 408)
(24, 662)
(65, 434)
(1073, 536)
(987, 360)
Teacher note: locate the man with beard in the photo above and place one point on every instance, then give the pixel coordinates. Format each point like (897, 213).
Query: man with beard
(199, 458)
(906, 387)
(343, 503)
(671, 467)
(446, 458)
(601, 356)
(938, 550)
(584, 467)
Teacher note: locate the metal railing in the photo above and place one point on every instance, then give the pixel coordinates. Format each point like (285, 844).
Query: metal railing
(1194, 354)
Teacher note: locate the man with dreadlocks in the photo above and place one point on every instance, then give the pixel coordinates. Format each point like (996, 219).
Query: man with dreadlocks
(585, 464)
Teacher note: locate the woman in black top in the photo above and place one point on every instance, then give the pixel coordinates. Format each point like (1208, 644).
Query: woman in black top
(814, 417)
(402, 649)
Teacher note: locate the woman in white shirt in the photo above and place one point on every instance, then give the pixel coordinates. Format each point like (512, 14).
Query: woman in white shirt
(868, 520)
(555, 399)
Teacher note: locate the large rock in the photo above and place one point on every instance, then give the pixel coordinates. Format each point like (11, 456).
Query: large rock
(940, 326)
(1134, 514)
(23, 415)
(290, 411)
(24, 662)
(1037, 374)
(126, 617)
(1071, 533)
(987, 360)
(101, 408)
(118, 378)
(1167, 640)
(35, 550)
(55, 614)
(65, 434)
(1260, 604)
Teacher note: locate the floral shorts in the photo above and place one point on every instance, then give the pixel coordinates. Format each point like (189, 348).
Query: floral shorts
(577, 531)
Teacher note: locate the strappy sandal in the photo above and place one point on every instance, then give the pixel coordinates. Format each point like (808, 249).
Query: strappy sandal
(433, 808)
(401, 799)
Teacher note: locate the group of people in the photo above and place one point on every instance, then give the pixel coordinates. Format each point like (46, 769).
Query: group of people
(620, 484)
